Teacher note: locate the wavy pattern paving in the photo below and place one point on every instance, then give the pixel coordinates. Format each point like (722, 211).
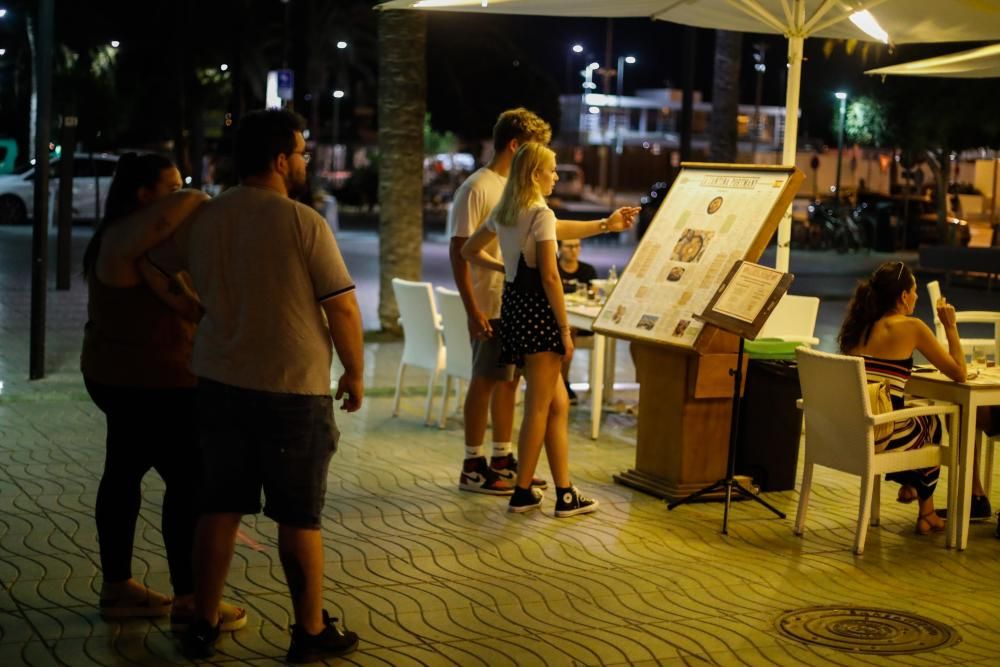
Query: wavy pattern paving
(428, 575)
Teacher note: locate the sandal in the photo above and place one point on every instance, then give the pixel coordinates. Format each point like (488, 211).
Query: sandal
(906, 495)
(925, 520)
(134, 601)
(231, 617)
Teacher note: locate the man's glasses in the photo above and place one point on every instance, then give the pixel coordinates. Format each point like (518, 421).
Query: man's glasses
(306, 157)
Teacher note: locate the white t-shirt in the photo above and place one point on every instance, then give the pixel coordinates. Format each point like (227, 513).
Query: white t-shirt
(472, 204)
(535, 223)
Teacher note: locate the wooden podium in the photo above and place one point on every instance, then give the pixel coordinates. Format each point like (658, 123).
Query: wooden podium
(685, 404)
(713, 215)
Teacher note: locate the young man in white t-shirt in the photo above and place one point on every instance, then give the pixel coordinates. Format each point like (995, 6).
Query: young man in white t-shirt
(493, 388)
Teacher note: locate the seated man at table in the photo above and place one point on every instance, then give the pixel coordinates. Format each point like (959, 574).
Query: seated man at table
(576, 275)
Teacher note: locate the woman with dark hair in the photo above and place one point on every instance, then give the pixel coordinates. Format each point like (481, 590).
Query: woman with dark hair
(136, 353)
(880, 328)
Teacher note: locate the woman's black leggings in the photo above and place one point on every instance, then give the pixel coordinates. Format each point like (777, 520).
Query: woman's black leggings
(148, 428)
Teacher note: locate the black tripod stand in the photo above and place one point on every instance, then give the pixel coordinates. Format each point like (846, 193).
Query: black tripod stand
(729, 483)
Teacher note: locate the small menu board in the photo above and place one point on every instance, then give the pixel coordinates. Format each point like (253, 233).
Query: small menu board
(713, 215)
(746, 298)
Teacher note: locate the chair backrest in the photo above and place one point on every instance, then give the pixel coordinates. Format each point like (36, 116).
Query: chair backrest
(421, 336)
(793, 319)
(934, 293)
(967, 317)
(454, 322)
(835, 404)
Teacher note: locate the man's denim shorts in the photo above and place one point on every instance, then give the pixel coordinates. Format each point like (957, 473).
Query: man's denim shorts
(256, 440)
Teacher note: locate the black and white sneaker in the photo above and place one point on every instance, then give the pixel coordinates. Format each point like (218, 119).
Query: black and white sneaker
(333, 640)
(506, 467)
(569, 502)
(199, 638)
(524, 500)
(478, 477)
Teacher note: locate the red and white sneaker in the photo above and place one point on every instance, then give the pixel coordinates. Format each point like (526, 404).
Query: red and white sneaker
(478, 477)
(506, 467)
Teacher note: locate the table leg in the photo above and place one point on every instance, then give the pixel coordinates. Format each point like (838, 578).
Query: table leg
(610, 350)
(596, 384)
(967, 442)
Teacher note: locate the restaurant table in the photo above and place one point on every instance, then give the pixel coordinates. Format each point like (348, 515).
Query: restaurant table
(982, 389)
(581, 314)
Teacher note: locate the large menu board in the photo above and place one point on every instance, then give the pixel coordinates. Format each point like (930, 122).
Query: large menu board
(712, 216)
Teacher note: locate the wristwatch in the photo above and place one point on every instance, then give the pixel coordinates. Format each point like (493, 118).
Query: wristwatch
(604, 226)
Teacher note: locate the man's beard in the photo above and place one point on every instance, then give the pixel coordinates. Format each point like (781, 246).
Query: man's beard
(299, 190)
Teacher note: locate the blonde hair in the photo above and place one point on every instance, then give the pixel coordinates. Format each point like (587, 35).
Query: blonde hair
(521, 190)
(522, 125)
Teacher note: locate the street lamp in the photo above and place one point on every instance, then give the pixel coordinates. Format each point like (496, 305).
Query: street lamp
(224, 67)
(337, 96)
(622, 61)
(576, 49)
(341, 45)
(588, 76)
(620, 72)
(759, 67)
(842, 96)
(115, 44)
(3, 13)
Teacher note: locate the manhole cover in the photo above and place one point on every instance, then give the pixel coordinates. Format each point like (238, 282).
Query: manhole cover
(860, 630)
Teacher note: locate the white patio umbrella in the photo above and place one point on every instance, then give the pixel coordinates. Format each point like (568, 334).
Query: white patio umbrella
(899, 21)
(982, 63)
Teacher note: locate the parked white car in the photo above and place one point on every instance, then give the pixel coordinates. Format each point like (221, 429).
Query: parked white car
(91, 179)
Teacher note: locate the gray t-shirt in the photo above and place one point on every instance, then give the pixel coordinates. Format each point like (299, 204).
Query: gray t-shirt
(262, 264)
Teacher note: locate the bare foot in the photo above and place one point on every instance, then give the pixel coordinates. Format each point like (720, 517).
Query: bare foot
(930, 523)
(906, 495)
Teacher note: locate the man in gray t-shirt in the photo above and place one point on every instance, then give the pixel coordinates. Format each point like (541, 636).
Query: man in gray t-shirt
(277, 298)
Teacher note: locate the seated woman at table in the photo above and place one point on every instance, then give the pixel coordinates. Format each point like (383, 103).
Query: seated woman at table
(534, 330)
(880, 328)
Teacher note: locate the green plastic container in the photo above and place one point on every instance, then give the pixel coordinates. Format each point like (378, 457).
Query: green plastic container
(776, 349)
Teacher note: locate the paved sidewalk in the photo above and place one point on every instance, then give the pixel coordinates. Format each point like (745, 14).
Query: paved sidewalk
(428, 575)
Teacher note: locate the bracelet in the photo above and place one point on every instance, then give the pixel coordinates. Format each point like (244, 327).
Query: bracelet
(604, 226)
(566, 328)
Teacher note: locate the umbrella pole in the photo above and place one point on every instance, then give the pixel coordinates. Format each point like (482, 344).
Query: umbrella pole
(795, 45)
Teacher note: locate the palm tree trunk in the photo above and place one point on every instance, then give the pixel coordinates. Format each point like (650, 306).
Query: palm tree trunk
(725, 96)
(402, 91)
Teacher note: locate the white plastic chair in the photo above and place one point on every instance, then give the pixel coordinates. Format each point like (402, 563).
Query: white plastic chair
(969, 345)
(839, 434)
(793, 319)
(423, 345)
(454, 323)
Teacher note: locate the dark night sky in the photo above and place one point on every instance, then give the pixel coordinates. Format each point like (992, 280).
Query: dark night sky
(479, 65)
(472, 73)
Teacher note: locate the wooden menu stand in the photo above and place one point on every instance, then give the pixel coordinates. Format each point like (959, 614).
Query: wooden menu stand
(713, 216)
(685, 405)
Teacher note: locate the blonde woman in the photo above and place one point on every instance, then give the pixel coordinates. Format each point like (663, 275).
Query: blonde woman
(534, 331)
